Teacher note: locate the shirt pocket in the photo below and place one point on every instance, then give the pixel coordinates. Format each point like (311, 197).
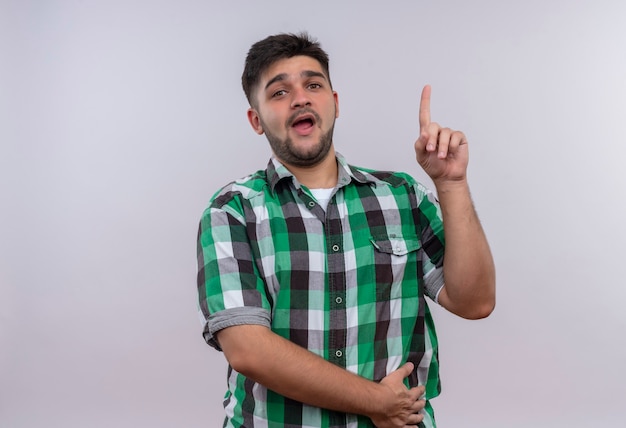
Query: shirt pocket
(395, 265)
(396, 245)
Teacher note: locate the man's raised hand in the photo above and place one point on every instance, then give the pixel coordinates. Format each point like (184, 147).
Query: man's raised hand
(442, 152)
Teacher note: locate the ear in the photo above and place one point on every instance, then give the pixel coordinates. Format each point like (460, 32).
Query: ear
(255, 121)
(336, 97)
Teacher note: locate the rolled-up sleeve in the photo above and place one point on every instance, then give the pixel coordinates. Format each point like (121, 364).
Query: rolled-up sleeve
(433, 242)
(230, 289)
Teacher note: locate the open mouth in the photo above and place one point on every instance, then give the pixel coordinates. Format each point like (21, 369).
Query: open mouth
(303, 123)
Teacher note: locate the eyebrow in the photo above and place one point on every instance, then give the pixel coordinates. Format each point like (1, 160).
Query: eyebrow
(305, 73)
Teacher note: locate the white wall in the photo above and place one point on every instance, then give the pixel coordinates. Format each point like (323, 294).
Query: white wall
(119, 119)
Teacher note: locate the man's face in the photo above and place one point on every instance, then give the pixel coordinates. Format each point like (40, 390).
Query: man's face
(296, 109)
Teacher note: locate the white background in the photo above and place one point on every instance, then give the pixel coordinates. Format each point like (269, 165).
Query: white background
(119, 119)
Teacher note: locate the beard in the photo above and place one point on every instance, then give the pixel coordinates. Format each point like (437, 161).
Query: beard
(287, 152)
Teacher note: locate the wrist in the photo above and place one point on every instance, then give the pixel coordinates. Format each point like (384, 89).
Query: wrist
(451, 186)
(375, 406)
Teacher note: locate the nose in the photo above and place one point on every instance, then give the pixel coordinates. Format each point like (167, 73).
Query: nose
(300, 98)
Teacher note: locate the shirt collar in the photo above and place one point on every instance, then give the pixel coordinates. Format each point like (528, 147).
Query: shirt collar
(277, 172)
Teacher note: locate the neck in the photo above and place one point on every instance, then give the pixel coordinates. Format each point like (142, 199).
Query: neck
(319, 176)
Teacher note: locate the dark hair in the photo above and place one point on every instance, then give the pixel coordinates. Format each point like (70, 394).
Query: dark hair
(264, 53)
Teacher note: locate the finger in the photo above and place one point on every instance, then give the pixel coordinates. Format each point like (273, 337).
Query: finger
(418, 406)
(415, 419)
(399, 374)
(432, 131)
(424, 116)
(444, 142)
(422, 141)
(457, 139)
(416, 392)
(406, 369)
(419, 389)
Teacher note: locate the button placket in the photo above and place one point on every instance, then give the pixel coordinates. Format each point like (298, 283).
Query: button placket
(336, 285)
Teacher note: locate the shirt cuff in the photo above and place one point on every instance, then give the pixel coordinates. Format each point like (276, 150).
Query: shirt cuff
(231, 317)
(433, 283)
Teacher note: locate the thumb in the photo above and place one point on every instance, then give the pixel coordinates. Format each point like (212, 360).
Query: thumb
(406, 369)
(420, 143)
(399, 374)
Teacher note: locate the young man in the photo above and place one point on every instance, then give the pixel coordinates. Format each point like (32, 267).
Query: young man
(313, 273)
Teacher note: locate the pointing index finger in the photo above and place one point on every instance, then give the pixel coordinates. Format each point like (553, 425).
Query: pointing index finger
(425, 107)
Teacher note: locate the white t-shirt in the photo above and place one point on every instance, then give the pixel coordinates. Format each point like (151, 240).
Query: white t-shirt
(322, 196)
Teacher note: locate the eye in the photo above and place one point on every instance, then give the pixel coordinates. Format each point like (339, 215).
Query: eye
(279, 93)
(314, 86)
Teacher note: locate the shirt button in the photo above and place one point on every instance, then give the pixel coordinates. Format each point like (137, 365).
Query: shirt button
(338, 353)
(335, 247)
(339, 300)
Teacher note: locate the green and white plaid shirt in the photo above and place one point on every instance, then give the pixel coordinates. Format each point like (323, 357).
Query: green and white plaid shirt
(347, 283)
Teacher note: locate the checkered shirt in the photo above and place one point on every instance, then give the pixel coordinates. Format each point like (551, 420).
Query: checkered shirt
(347, 283)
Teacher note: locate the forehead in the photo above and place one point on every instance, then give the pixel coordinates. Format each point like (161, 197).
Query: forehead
(291, 68)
